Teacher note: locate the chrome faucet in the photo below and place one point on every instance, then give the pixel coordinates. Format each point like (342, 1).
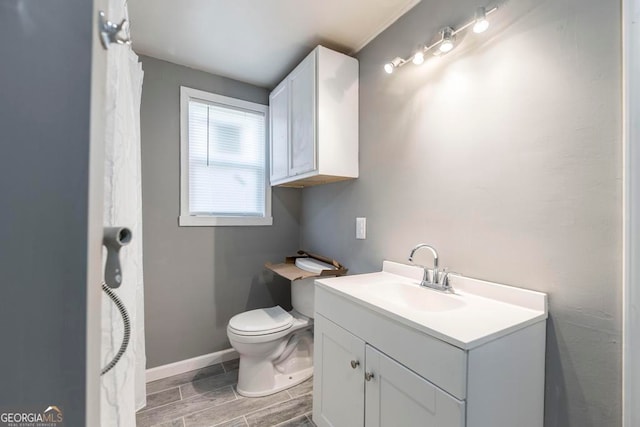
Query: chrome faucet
(425, 278)
(434, 283)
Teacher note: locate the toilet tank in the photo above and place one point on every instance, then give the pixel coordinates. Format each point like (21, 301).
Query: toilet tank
(302, 290)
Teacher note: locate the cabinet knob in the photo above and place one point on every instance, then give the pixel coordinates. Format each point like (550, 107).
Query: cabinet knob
(355, 364)
(368, 376)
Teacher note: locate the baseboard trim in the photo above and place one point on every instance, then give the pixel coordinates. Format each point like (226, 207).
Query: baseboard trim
(192, 364)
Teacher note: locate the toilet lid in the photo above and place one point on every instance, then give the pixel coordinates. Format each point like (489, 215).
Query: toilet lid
(313, 265)
(261, 321)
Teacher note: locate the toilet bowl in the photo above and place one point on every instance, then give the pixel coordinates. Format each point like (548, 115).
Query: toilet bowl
(276, 346)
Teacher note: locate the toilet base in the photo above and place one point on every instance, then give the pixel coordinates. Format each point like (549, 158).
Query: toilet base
(281, 382)
(289, 364)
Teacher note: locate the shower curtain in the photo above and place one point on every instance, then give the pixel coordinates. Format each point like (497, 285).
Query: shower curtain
(123, 388)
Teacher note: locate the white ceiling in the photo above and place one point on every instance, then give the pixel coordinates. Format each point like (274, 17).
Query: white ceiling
(255, 41)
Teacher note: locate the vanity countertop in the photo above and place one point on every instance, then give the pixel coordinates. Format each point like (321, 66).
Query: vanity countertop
(475, 313)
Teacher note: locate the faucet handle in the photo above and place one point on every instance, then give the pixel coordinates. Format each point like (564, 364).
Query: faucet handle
(444, 281)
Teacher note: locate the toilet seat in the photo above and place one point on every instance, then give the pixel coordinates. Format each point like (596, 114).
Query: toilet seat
(263, 321)
(313, 265)
(299, 322)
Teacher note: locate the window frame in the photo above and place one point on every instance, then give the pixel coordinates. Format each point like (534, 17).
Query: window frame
(186, 219)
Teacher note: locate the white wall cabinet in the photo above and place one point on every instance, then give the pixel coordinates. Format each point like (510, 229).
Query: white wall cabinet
(314, 121)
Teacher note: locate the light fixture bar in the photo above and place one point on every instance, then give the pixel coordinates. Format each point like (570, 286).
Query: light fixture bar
(399, 62)
(426, 49)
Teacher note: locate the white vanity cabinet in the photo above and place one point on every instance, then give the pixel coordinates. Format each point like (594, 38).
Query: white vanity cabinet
(314, 121)
(358, 385)
(389, 353)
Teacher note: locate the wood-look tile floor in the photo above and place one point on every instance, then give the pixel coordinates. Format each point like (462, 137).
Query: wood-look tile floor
(207, 397)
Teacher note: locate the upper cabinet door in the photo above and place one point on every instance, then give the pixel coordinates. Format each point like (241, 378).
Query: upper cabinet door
(396, 396)
(302, 153)
(279, 129)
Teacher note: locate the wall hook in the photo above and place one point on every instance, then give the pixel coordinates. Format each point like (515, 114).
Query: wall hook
(109, 32)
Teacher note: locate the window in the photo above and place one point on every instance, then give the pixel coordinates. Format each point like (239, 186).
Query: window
(223, 174)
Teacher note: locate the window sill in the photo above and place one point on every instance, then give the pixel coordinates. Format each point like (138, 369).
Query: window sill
(222, 221)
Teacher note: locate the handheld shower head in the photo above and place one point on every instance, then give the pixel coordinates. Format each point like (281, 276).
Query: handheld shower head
(113, 239)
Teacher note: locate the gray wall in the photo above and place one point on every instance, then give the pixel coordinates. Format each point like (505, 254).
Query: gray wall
(196, 278)
(506, 156)
(45, 94)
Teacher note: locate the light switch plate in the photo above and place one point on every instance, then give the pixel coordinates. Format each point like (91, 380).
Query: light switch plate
(361, 228)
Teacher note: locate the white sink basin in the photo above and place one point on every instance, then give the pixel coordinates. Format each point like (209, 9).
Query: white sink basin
(475, 313)
(415, 297)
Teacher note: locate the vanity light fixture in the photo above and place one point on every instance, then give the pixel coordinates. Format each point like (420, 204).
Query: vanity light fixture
(395, 63)
(446, 44)
(418, 57)
(447, 40)
(481, 23)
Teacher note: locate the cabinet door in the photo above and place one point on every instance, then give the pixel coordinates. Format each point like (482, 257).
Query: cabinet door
(338, 385)
(396, 396)
(302, 96)
(279, 131)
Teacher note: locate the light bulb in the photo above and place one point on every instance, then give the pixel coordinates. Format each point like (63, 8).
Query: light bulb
(418, 58)
(446, 46)
(388, 67)
(481, 24)
(447, 40)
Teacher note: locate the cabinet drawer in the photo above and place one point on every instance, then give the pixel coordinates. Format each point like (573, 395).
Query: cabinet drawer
(437, 361)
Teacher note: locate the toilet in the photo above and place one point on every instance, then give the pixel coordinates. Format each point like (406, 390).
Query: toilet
(276, 346)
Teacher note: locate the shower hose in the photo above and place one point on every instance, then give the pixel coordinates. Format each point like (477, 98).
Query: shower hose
(127, 328)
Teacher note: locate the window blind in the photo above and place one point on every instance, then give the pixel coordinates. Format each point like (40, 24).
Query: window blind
(226, 160)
